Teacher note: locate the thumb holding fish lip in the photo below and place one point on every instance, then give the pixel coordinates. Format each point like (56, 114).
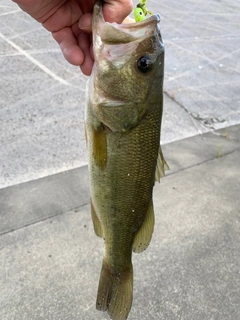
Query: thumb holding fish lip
(117, 11)
(113, 11)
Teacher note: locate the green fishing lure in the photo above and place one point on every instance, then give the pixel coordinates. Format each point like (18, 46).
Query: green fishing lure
(141, 11)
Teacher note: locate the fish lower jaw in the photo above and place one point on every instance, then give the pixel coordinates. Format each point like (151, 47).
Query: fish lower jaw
(111, 103)
(101, 100)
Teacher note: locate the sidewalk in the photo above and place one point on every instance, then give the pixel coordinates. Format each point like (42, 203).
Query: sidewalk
(52, 258)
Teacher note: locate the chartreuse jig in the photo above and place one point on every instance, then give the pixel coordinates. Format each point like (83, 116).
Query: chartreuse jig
(141, 11)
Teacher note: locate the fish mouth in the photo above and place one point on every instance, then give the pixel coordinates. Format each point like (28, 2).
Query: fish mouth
(113, 33)
(111, 104)
(120, 89)
(116, 115)
(108, 103)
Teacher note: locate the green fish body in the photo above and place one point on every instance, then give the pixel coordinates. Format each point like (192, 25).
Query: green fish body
(123, 120)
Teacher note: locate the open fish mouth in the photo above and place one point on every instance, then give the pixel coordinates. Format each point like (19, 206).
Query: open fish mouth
(127, 57)
(113, 33)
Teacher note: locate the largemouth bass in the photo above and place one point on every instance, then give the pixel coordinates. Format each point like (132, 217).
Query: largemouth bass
(123, 120)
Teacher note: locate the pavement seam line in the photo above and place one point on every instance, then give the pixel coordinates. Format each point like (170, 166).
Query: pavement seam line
(10, 12)
(43, 219)
(35, 61)
(86, 203)
(190, 114)
(205, 161)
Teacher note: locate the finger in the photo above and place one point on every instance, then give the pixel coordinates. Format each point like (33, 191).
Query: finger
(117, 11)
(84, 41)
(69, 46)
(85, 22)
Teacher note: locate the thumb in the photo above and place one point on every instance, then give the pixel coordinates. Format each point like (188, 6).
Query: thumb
(113, 11)
(116, 10)
(85, 22)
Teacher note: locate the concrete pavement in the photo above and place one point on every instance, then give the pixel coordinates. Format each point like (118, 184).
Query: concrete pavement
(42, 96)
(50, 256)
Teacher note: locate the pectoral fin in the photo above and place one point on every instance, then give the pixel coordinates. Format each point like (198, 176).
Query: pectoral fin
(96, 222)
(144, 234)
(99, 146)
(161, 166)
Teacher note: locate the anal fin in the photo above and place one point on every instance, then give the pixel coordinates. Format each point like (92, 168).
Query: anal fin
(144, 234)
(161, 166)
(96, 222)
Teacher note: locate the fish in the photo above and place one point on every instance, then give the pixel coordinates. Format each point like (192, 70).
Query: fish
(124, 101)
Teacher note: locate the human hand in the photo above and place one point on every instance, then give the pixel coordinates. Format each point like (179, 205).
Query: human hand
(69, 21)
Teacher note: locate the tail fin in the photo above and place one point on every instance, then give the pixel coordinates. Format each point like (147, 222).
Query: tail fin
(115, 292)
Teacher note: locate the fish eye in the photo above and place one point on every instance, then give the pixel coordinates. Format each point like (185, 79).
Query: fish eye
(144, 64)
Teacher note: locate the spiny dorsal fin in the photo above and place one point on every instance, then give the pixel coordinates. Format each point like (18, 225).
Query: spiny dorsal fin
(161, 166)
(144, 234)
